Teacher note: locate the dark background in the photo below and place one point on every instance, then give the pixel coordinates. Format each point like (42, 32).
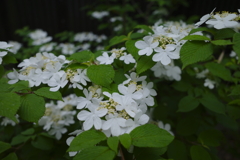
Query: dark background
(56, 16)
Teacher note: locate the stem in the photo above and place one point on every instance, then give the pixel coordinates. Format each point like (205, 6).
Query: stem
(220, 57)
(121, 152)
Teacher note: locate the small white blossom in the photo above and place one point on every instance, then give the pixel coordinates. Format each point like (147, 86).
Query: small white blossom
(146, 46)
(209, 83)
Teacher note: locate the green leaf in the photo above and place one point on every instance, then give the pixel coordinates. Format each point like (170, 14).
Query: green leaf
(212, 103)
(21, 85)
(102, 75)
(29, 131)
(199, 153)
(4, 146)
(4, 86)
(125, 140)
(188, 126)
(228, 122)
(9, 59)
(224, 33)
(42, 143)
(130, 46)
(144, 27)
(196, 37)
(195, 51)
(236, 41)
(2, 71)
(9, 104)
(235, 91)
(119, 78)
(144, 153)
(210, 30)
(113, 143)
(32, 107)
(210, 137)
(219, 70)
(222, 42)
(82, 56)
(117, 39)
(187, 104)
(150, 135)
(76, 66)
(19, 139)
(86, 139)
(95, 153)
(11, 156)
(45, 92)
(177, 150)
(144, 63)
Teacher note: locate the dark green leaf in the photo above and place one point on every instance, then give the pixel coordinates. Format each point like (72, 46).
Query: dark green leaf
(45, 92)
(219, 70)
(177, 150)
(144, 153)
(9, 59)
(19, 139)
(4, 146)
(210, 30)
(144, 63)
(150, 135)
(187, 104)
(95, 153)
(199, 153)
(236, 41)
(117, 39)
(11, 156)
(188, 126)
(195, 51)
(42, 143)
(210, 137)
(32, 107)
(29, 131)
(212, 103)
(235, 91)
(86, 139)
(101, 74)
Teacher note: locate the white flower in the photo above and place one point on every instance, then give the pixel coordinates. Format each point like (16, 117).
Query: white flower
(57, 131)
(100, 14)
(223, 22)
(47, 47)
(204, 18)
(166, 127)
(39, 37)
(165, 55)
(146, 46)
(4, 45)
(174, 72)
(127, 58)
(13, 76)
(105, 59)
(16, 46)
(85, 102)
(114, 123)
(209, 83)
(139, 119)
(92, 118)
(58, 80)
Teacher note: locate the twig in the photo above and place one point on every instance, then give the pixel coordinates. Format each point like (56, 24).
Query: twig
(220, 57)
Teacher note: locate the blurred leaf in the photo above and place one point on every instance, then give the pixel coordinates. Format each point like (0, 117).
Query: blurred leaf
(210, 137)
(82, 56)
(144, 63)
(45, 92)
(125, 140)
(177, 150)
(224, 33)
(187, 104)
(219, 70)
(113, 143)
(222, 42)
(212, 103)
(196, 37)
(199, 153)
(4, 146)
(11, 156)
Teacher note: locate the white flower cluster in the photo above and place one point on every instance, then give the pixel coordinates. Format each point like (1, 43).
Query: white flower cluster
(221, 20)
(120, 54)
(68, 48)
(5, 46)
(165, 41)
(58, 116)
(169, 72)
(99, 14)
(203, 74)
(15, 46)
(6, 121)
(46, 68)
(89, 36)
(117, 113)
(39, 37)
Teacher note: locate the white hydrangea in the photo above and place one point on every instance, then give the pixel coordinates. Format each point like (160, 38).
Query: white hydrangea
(39, 37)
